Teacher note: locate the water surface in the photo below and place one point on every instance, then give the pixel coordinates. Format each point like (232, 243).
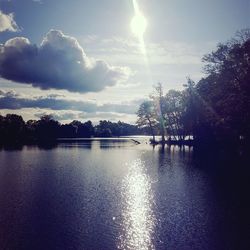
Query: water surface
(114, 194)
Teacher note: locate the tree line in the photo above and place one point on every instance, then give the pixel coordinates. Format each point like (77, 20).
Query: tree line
(13, 129)
(216, 109)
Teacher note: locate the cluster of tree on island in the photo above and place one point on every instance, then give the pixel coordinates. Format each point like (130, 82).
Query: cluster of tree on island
(216, 108)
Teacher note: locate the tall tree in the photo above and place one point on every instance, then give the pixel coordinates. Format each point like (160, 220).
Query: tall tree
(226, 89)
(159, 101)
(146, 117)
(173, 109)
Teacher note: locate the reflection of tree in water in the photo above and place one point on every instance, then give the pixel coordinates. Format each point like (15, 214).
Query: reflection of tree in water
(48, 145)
(167, 155)
(229, 175)
(75, 143)
(11, 147)
(115, 143)
(206, 191)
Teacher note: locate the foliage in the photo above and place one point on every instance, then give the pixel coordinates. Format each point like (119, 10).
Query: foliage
(147, 117)
(158, 103)
(12, 126)
(225, 91)
(217, 108)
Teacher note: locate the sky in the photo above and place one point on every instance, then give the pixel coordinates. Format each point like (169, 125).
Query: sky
(80, 59)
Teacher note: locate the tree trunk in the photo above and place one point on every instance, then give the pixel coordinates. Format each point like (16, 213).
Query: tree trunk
(151, 128)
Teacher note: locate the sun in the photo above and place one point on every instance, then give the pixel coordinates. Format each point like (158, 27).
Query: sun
(138, 24)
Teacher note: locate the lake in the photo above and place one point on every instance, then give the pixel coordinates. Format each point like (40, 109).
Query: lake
(115, 194)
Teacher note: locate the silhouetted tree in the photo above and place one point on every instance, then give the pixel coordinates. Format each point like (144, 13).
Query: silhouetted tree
(147, 117)
(158, 100)
(226, 89)
(31, 131)
(217, 108)
(12, 128)
(103, 129)
(192, 106)
(47, 129)
(85, 129)
(68, 131)
(1, 128)
(173, 109)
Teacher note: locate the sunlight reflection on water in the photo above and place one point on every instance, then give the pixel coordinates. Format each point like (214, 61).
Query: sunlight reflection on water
(138, 219)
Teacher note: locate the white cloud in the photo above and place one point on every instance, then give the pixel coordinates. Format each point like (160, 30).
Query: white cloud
(7, 22)
(127, 51)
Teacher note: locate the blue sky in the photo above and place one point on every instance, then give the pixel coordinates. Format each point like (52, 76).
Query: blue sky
(178, 34)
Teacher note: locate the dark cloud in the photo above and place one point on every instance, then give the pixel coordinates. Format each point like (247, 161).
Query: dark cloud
(11, 100)
(58, 63)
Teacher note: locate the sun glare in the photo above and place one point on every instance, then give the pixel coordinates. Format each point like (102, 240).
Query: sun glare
(138, 25)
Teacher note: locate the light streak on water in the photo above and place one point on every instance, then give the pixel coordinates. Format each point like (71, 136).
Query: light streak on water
(138, 219)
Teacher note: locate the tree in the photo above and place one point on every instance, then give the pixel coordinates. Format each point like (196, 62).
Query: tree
(47, 128)
(68, 131)
(13, 128)
(193, 107)
(103, 129)
(159, 102)
(31, 131)
(85, 129)
(146, 117)
(1, 128)
(226, 89)
(173, 109)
